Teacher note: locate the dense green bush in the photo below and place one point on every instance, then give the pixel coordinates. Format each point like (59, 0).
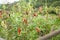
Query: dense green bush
(23, 22)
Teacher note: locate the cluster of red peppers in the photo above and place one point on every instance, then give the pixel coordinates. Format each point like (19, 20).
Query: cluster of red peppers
(37, 30)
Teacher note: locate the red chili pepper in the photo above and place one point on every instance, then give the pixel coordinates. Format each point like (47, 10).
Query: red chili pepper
(35, 14)
(38, 30)
(25, 20)
(19, 31)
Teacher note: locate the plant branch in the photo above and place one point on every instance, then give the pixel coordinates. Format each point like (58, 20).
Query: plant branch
(50, 35)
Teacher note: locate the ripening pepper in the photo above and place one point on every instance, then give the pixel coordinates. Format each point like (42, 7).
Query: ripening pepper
(25, 20)
(37, 29)
(35, 14)
(19, 31)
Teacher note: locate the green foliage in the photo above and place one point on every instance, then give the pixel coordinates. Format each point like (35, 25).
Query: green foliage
(21, 15)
